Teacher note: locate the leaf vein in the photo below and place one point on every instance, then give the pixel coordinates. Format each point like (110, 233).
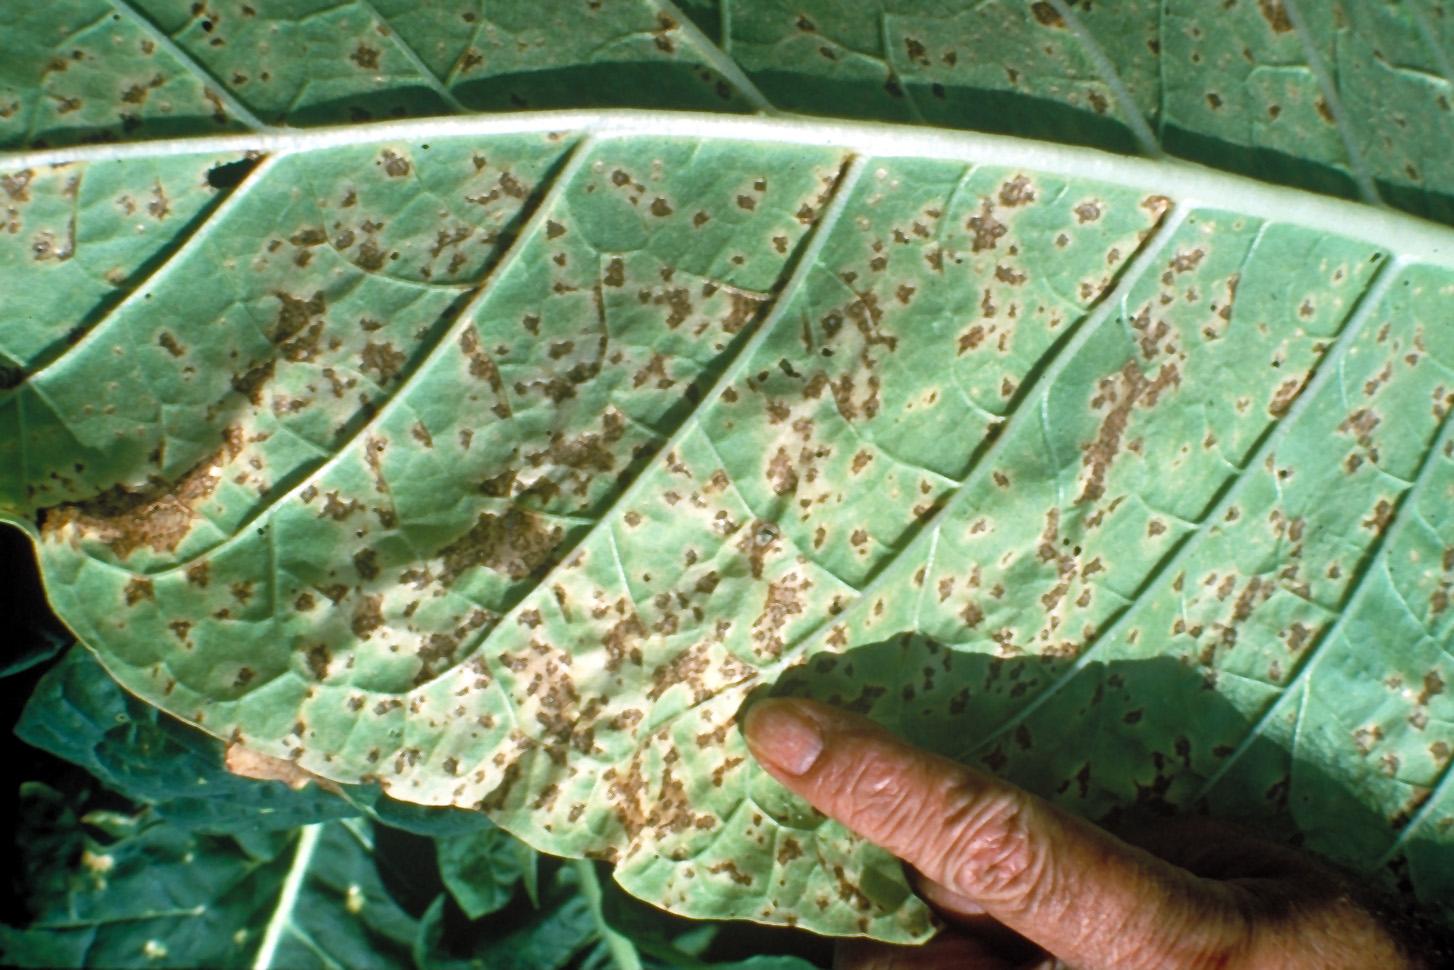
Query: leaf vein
(1371, 297)
(1131, 113)
(210, 83)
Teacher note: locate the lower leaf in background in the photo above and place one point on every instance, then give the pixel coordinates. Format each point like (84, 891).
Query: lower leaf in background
(160, 857)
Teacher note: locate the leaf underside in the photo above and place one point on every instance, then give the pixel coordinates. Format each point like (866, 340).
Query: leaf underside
(502, 469)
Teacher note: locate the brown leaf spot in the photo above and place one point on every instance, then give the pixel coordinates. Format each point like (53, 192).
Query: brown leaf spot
(395, 165)
(516, 543)
(365, 57)
(1122, 395)
(1047, 14)
(1016, 191)
(987, 230)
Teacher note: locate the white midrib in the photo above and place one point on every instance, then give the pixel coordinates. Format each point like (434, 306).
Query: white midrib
(1189, 184)
(282, 918)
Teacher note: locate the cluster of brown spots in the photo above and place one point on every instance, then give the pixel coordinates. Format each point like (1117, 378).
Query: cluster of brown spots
(757, 543)
(639, 810)
(623, 640)
(1287, 392)
(383, 359)
(1121, 394)
(971, 339)
(1439, 599)
(781, 473)
(1016, 191)
(17, 185)
(199, 573)
(566, 723)
(441, 650)
(1379, 517)
(972, 614)
(1366, 738)
(784, 600)
(139, 588)
(158, 515)
(318, 657)
(368, 616)
(517, 544)
(662, 35)
(482, 367)
(1359, 425)
(987, 230)
(299, 326)
(688, 667)
(729, 869)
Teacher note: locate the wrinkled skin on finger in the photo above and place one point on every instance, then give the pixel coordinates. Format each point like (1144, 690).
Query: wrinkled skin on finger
(1022, 884)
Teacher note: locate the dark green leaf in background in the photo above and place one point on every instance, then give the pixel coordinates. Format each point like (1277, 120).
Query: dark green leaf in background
(482, 869)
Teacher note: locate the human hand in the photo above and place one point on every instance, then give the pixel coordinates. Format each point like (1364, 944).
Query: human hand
(1023, 884)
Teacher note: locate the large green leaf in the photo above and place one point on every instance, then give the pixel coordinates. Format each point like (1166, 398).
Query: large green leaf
(500, 459)
(1354, 97)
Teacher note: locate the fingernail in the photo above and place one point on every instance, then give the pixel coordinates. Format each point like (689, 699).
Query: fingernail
(782, 736)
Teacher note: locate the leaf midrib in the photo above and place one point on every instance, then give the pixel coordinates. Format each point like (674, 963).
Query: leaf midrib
(1190, 184)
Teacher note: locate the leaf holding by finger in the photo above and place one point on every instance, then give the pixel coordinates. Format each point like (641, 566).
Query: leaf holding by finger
(497, 462)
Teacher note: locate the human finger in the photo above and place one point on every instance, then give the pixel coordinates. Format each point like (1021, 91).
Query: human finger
(1062, 883)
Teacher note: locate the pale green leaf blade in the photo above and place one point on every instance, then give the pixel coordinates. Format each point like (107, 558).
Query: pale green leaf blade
(515, 460)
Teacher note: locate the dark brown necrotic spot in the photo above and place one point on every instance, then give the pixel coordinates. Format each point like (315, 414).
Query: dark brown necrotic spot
(1276, 15)
(395, 165)
(317, 658)
(368, 616)
(516, 543)
(1046, 14)
(623, 642)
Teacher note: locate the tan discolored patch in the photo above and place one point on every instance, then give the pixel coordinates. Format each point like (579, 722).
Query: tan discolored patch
(157, 516)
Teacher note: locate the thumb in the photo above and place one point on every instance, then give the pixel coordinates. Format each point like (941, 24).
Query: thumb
(1057, 880)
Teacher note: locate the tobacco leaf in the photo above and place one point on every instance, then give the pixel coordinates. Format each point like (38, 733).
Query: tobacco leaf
(500, 460)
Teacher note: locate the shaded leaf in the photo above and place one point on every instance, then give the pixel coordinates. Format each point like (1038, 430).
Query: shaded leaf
(78, 713)
(1351, 98)
(333, 910)
(481, 869)
(169, 896)
(547, 937)
(160, 897)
